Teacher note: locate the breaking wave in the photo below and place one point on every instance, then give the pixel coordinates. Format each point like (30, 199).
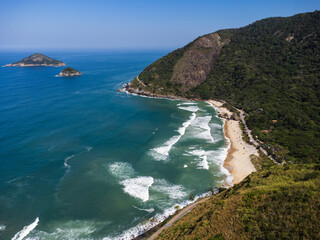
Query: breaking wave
(26, 230)
(202, 156)
(138, 187)
(163, 151)
(158, 218)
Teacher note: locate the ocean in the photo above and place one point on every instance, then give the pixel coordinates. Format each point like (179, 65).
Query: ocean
(81, 161)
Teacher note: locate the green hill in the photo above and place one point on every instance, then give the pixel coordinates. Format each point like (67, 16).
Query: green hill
(270, 69)
(277, 202)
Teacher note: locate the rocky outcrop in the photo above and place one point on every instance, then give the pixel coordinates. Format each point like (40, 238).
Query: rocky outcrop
(142, 92)
(196, 63)
(69, 72)
(37, 60)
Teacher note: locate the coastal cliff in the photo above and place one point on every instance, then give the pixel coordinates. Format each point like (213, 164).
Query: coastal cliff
(37, 60)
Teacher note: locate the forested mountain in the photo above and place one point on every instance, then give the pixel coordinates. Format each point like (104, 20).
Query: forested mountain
(270, 69)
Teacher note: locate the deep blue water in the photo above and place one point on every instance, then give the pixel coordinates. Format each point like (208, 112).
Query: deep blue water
(81, 161)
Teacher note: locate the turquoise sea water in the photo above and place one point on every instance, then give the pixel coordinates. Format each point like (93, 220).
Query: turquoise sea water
(81, 161)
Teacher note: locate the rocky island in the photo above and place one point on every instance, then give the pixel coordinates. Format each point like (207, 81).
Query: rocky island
(69, 72)
(37, 60)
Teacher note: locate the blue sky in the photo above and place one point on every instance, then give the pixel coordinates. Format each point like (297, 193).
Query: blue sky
(125, 24)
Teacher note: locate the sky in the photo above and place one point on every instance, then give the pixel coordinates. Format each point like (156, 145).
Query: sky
(129, 24)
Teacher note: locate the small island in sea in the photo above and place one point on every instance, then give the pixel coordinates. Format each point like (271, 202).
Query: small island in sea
(37, 60)
(69, 72)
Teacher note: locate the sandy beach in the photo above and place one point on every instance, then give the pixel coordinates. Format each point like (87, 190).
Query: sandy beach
(238, 161)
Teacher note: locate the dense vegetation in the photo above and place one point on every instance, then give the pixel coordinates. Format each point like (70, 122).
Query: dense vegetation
(69, 70)
(270, 69)
(39, 58)
(277, 202)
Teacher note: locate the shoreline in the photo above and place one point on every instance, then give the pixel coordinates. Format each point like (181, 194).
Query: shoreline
(237, 163)
(238, 160)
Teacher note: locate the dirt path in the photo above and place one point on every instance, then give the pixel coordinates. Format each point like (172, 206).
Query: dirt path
(140, 81)
(183, 212)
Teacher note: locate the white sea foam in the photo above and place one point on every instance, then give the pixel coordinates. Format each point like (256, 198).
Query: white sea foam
(69, 157)
(26, 230)
(186, 103)
(218, 158)
(202, 156)
(2, 227)
(160, 217)
(66, 161)
(185, 166)
(138, 187)
(172, 190)
(163, 151)
(71, 230)
(149, 210)
(221, 157)
(121, 170)
(190, 108)
(202, 129)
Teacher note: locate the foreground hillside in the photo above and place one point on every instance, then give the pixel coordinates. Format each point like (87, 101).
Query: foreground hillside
(277, 202)
(270, 69)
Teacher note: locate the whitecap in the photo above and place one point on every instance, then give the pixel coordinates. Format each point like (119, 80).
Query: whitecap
(163, 151)
(2, 227)
(202, 129)
(138, 187)
(190, 108)
(201, 155)
(185, 166)
(26, 230)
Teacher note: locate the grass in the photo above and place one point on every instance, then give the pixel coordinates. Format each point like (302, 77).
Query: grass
(277, 202)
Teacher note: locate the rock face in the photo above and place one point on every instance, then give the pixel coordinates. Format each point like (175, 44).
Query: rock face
(37, 60)
(69, 72)
(196, 63)
(183, 69)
